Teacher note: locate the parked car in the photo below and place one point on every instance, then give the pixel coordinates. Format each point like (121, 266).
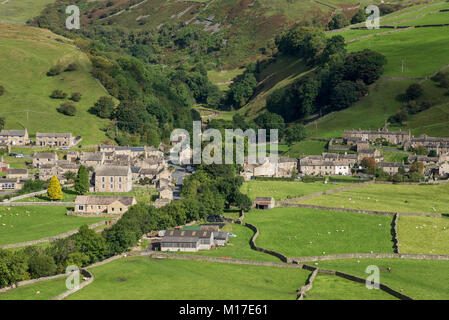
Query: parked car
(19, 155)
(65, 148)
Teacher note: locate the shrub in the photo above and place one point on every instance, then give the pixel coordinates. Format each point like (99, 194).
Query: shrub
(67, 108)
(71, 67)
(2, 90)
(414, 91)
(58, 94)
(76, 96)
(54, 71)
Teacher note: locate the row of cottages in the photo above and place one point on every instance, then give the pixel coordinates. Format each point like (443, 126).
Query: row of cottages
(440, 145)
(192, 240)
(14, 137)
(13, 173)
(282, 167)
(12, 184)
(103, 204)
(55, 139)
(393, 167)
(132, 152)
(321, 167)
(352, 137)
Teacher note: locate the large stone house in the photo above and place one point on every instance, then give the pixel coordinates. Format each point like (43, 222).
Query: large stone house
(46, 172)
(40, 159)
(166, 193)
(286, 167)
(54, 139)
(11, 184)
(369, 153)
(14, 137)
(392, 167)
(113, 179)
(440, 145)
(103, 204)
(424, 159)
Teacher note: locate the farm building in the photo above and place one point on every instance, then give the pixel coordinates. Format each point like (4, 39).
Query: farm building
(103, 204)
(40, 159)
(184, 240)
(220, 238)
(264, 203)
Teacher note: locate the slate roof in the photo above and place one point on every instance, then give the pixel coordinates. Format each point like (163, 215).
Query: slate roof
(113, 171)
(103, 200)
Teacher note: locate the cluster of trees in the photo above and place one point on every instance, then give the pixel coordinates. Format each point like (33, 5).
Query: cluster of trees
(68, 108)
(242, 88)
(411, 104)
(339, 80)
(81, 249)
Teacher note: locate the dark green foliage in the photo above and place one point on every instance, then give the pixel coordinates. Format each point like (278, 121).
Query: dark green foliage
(338, 21)
(54, 71)
(2, 123)
(58, 94)
(41, 265)
(414, 91)
(82, 181)
(360, 16)
(268, 121)
(71, 67)
(303, 42)
(92, 244)
(104, 107)
(76, 96)
(67, 108)
(241, 89)
(13, 267)
(433, 153)
(295, 133)
(2, 90)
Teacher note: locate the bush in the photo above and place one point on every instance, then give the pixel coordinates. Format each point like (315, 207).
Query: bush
(58, 94)
(76, 96)
(414, 91)
(2, 90)
(71, 67)
(67, 108)
(338, 21)
(54, 71)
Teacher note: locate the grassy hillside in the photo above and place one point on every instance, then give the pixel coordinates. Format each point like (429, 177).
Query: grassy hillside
(26, 54)
(21, 10)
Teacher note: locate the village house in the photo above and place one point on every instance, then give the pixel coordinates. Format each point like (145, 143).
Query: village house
(369, 153)
(103, 204)
(266, 169)
(92, 159)
(72, 156)
(113, 179)
(286, 167)
(220, 238)
(392, 167)
(424, 159)
(393, 137)
(11, 184)
(185, 155)
(264, 203)
(14, 137)
(164, 174)
(54, 139)
(350, 158)
(165, 193)
(40, 159)
(16, 173)
(46, 172)
(162, 183)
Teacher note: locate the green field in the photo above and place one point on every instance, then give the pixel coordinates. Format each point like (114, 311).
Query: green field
(297, 232)
(27, 53)
(47, 290)
(309, 147)
(389, 197)
(21, 10)
(68, 195)
(282, 190)
(223, 78)
(237, 247)
(143, 278)
(328, 287)
(424, 235)
(419, 279)
(21, 224)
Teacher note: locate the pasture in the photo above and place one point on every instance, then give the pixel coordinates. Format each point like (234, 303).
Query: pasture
(329, 287)
(144, 278)
(27, 54)
(297, 232)
(419, 279)
(389, 197)
(47, 290)
(424, 235)
(21, 10)
(282, 190)
(21, 224)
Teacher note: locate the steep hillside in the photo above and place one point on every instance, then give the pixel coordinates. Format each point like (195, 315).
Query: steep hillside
(21, 10)
(26, 55)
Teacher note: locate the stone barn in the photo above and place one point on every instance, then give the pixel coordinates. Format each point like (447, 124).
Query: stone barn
(264, 203)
